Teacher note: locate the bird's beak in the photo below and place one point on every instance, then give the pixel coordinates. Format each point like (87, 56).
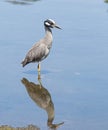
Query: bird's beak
(56, 26)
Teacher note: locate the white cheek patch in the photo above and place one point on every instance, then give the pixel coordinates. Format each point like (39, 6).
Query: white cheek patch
(46, 23)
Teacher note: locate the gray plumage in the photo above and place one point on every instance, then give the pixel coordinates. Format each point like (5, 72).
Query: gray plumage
(41, 49)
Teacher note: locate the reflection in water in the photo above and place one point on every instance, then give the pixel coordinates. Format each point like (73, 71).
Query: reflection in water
(29, 127)
(21, 2)
(42, 98)
(31, 0)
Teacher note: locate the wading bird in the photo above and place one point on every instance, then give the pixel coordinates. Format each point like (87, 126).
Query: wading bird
(41, 49)
(41, 96)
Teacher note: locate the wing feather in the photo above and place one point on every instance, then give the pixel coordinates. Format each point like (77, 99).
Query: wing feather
(37, 53)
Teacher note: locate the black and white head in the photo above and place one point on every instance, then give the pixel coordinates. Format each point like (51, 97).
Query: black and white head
(51, 24)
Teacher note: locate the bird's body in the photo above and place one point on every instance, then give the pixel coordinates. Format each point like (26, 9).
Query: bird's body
(41, 49)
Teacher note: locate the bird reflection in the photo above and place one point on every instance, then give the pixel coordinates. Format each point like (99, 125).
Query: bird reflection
(42, 98)
(21, 2)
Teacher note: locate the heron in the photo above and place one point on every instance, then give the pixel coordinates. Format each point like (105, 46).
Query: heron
(41, 49)
(42, 97)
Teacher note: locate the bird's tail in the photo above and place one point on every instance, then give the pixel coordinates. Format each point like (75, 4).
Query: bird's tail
(24, 62)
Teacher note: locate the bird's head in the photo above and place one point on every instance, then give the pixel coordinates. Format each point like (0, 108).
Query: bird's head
(51, 24)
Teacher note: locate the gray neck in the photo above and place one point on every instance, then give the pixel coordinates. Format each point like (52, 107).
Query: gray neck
(50, 113)
(48, 37)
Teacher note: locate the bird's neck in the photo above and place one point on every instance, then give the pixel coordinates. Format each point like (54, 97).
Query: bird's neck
(48, 37)
(47, 29)
(50, 113)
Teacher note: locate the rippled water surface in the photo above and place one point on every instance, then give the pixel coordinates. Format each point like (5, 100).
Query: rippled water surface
(74, 77)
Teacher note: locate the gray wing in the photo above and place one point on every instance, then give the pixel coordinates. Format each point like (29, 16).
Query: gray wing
(37, 53)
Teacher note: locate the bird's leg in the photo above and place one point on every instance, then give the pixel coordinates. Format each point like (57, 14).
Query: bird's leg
(39, 67)
(39, 74)
(39, 80)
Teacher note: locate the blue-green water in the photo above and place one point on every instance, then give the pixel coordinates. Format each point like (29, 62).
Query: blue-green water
(75, 73)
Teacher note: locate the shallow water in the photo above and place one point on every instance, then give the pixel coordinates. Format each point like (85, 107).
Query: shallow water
(76, 72)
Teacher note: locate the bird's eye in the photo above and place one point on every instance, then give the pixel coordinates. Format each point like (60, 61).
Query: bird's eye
(51, 23)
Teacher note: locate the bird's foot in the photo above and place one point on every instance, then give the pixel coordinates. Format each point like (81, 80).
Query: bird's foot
(39, 77)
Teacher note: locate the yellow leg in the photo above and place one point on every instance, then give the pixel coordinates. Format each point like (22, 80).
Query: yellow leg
(39, 75)
(39, 67)
(39, 80)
